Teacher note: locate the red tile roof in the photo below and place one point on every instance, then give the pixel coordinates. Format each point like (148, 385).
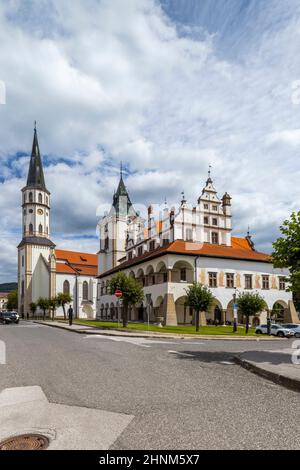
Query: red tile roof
(70, 262)
(240, 249)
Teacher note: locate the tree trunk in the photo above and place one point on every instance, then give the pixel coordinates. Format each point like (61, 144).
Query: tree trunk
(64, 309)
(247, 324)
(125, 315)
(197, 320)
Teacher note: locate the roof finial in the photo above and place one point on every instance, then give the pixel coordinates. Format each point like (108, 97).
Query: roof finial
(121, 170)
(34, 126)
(248, 231)
(183, 200)
(209, 170)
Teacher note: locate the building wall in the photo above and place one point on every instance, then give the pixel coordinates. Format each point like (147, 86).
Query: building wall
(85, 309)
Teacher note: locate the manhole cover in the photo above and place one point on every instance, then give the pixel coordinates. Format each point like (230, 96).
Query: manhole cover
(25, 442)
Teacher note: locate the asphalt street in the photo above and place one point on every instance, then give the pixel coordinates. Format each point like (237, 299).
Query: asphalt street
(182, 394)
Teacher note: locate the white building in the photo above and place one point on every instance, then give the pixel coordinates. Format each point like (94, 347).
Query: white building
(43, 270)
(188, 243)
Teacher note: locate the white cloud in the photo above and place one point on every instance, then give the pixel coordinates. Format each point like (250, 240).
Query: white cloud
(110, 81)
(289, 136)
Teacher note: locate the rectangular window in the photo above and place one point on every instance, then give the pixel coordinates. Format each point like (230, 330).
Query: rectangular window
(265, 282)
(281, 283)
(215, 238)
(183, 274)
(165, 241)
(189, 234)
(140, 251)
(212, 277)
(248, 281)
(230, 280)
(214, 208)
(215, 221)
(206, 220)
(206, 206)
(152, 245)
(106, 243)
(130, 255)
(22, 260)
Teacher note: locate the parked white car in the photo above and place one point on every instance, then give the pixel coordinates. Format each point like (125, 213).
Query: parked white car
(276, 330)
(295, 327)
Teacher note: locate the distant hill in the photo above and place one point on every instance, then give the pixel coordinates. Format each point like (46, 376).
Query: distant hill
(8, 286)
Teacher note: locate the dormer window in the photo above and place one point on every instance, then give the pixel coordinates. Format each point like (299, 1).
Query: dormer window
(130, 255)
(214, 208)
(206, 206)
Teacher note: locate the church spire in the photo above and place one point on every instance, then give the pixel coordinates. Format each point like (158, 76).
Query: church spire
(121, 199)
(35, 177)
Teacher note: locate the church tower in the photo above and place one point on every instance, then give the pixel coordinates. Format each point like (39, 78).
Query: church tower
(36, 259)
(113, 229)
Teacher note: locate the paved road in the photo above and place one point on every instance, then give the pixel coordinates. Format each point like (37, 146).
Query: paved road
(182, 394)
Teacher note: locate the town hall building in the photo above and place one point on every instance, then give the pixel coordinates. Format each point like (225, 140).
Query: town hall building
(182, 245)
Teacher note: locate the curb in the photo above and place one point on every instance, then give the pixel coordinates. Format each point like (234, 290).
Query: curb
(111, 332)
(292, 384)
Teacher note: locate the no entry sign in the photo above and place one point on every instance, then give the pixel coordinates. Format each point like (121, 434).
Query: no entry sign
(118, 293)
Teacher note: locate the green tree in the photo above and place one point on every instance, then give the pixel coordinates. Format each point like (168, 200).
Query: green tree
(12, 302)
(200, 298)
(53, 304)
(286, 252)
(131, 289)
(33, 307)
(44, 305)
(63, 300)
(250, 304)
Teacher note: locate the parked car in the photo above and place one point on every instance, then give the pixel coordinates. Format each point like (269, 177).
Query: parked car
(276, 330)
(295, 327)
(9, 317)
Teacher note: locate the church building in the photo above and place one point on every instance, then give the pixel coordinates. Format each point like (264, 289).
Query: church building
(44, 270)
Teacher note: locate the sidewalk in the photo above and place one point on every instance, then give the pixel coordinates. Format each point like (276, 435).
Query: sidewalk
(275, 365)
(90, 330)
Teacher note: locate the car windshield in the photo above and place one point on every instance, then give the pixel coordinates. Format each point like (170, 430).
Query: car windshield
(290, 326)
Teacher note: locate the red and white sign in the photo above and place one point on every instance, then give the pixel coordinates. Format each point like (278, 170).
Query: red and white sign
(118, 293)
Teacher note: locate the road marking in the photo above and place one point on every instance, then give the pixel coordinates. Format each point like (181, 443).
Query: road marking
(181, 353)
(142, 342)
(227, 363)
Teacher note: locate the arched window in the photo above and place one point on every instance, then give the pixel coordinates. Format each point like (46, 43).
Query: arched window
(47, 230)
(24, 198)
(47, 200)
(30, 197)
(24, 229)
(30, 229)
(85, 290)
(66, 287)
(40, 198)
(40, 229)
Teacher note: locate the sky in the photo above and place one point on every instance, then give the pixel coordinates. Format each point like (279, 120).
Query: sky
(167, 87)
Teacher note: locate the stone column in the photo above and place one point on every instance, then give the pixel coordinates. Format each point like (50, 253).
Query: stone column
(169, 310)
(290, 314)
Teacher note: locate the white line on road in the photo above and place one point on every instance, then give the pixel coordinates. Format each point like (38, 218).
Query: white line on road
(227, 363)
(143, 342)
(181, 353)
